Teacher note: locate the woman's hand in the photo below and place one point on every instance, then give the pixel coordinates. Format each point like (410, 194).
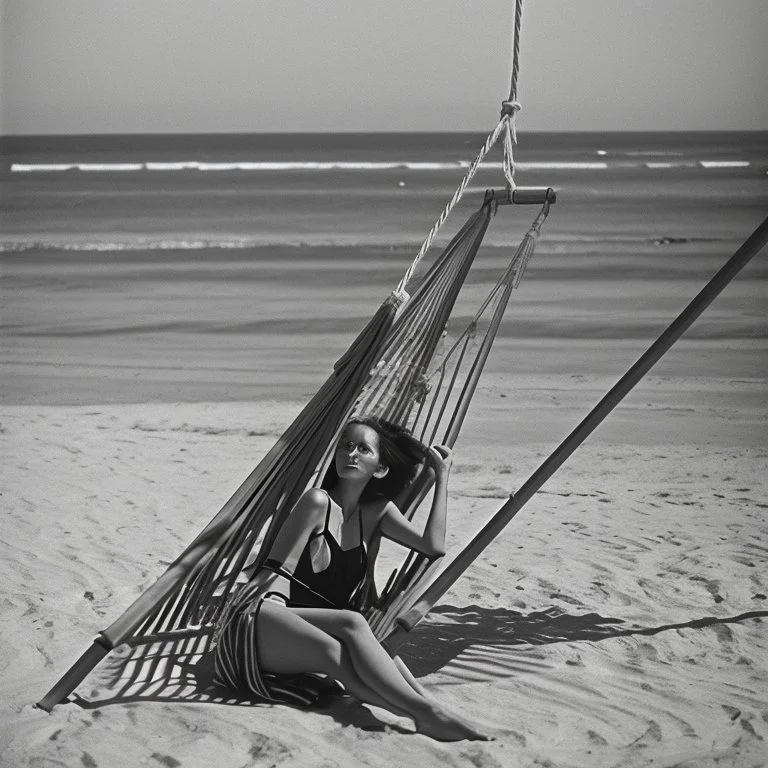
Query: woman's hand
(440, 458)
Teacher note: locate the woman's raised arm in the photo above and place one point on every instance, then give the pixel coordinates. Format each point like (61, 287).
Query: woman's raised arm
(431, 542)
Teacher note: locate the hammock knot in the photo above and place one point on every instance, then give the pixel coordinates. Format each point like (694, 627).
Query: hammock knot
(398, 297)
(420, 389)
(510, 107)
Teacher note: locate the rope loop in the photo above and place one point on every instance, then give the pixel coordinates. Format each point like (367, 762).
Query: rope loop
(510, 107)
(509, 141)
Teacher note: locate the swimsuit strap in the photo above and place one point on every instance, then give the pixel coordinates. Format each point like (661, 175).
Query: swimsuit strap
(326, 529)
(360, 525)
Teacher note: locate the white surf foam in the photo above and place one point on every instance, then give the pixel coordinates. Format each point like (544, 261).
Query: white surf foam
(176, 166)
(724, 163)
(109, 166)
(40, 167)
(194, 165)
(359, 165)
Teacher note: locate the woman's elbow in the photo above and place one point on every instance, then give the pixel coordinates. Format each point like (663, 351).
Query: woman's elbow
(433, 551)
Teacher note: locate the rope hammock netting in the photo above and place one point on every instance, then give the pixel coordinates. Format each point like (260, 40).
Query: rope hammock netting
(400, 367)
(390, 370)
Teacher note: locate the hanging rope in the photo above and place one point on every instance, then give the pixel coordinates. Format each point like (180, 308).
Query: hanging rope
(452, 203)
(506, 125)
(511, 106)
(515, 52)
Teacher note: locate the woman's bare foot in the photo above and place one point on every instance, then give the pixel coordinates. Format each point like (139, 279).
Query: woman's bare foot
(442, 726)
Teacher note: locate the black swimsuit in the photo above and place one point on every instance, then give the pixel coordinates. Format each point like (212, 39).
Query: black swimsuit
(334, 585)
(236, 661)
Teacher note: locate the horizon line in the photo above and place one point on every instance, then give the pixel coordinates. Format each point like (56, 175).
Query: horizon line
(99, 134)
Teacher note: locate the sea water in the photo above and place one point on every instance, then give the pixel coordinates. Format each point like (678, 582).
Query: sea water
(193, 267)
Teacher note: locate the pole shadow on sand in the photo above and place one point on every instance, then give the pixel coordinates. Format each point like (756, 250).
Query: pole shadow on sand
(174, 669)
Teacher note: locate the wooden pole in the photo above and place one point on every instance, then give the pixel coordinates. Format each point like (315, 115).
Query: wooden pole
(756, 241)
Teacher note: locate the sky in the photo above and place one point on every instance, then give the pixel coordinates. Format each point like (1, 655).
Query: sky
(198, 66)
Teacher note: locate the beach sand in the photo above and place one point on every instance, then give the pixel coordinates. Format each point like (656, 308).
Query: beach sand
(567, 639)
(618, 620)
(564, 639)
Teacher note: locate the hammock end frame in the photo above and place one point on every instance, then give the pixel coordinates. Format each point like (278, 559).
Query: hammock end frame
(98, 649)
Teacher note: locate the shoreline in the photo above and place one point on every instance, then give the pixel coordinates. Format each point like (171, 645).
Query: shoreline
(536, 409)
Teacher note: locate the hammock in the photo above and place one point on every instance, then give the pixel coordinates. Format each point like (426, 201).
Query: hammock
(390, 369)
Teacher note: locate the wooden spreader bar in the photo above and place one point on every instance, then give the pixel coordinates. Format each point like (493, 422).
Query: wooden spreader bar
(522, 196)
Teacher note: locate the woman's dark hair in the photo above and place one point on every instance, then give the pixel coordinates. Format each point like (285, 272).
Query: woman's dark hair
(399, 451)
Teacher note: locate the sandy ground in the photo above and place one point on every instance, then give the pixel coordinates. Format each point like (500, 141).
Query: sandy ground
(619, 621)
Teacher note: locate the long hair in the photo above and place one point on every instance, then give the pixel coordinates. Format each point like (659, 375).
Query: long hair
(399, 451)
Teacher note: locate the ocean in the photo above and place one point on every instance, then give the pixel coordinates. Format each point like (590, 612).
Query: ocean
(349, 189)
(186, 267)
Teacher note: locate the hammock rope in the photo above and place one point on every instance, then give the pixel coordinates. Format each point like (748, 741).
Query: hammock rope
(452, 203)
(385, 371)
(506, 126)
(511, 106)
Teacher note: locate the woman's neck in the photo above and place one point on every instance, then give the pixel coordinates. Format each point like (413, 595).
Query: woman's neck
(347, 496)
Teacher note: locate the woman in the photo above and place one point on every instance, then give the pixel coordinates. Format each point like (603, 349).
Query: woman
(294, 615)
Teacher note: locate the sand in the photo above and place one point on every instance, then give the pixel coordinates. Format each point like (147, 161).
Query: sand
(605, 627)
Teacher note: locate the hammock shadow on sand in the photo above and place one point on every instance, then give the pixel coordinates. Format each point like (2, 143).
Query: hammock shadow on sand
(474, 643)
(470, 642)
(172, 670)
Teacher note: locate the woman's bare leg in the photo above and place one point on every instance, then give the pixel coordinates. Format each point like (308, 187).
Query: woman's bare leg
(361, 691)
(409, 678)
(373, 665)
(289, 644)
(352, 630)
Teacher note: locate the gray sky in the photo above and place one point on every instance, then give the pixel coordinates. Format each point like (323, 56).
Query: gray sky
(124, 66)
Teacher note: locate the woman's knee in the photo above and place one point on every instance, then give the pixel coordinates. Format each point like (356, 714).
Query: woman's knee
(352, 625)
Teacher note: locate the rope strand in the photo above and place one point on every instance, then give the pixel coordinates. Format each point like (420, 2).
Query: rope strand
(516, 51)
(511, 106)
(506, 125)
(452, 203)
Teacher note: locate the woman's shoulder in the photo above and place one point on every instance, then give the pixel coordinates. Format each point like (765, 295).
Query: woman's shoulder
(313, 501)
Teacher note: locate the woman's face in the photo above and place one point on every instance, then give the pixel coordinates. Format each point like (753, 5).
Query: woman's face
(357, 454)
